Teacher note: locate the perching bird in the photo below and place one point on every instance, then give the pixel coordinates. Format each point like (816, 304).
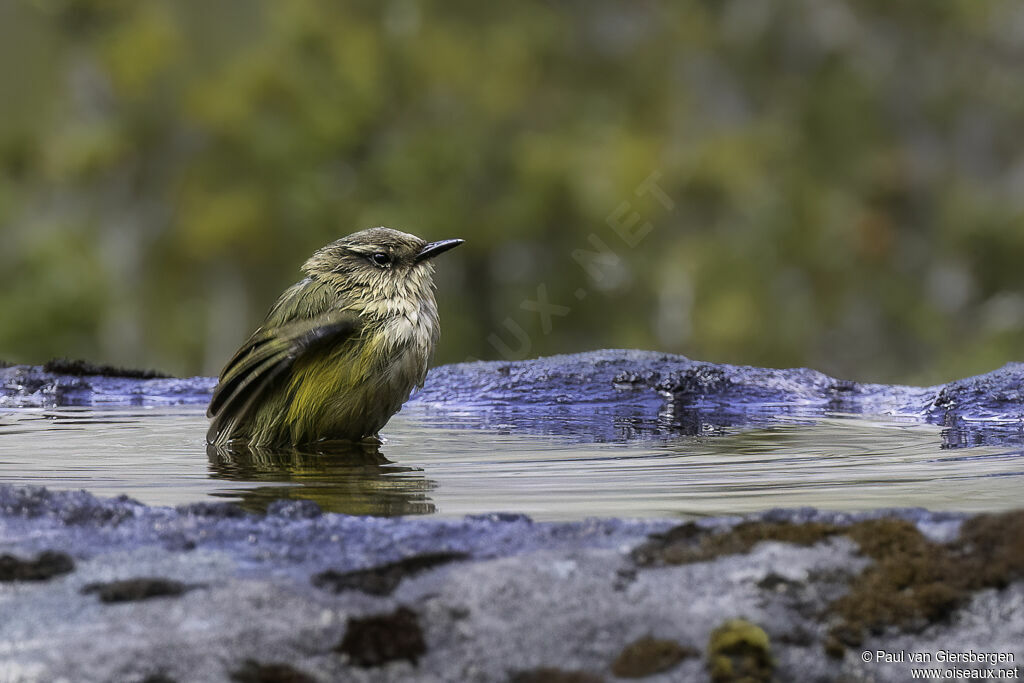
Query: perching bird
(340, 351)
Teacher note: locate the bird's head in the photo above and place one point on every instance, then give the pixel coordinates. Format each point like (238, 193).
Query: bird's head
(379, 264)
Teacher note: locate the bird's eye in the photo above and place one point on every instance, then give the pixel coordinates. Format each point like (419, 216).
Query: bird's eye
(381, 259)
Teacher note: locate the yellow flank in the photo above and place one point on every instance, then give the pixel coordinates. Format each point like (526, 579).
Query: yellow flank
(325, 381)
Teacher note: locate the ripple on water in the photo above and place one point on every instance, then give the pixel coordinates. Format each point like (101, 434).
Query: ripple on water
(461, 463)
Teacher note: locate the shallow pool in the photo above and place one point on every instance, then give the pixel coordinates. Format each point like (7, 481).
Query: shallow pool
(158, 456)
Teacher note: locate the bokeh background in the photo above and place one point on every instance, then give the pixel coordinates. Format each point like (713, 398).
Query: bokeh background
(845, 178)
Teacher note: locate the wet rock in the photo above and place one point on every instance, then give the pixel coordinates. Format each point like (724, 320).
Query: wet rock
(925, 580)
(81, 368)
(995, 394)
(70, 507)
(43, 567)
(63, 383)
(649, 656)
(600, 395)
(622, 376)
(130, 590)
(384, 579)
(382, 638)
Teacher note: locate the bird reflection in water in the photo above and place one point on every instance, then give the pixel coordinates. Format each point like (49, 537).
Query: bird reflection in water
(345, 477)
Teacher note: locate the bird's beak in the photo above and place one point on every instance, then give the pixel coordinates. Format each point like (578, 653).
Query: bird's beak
(435, 248)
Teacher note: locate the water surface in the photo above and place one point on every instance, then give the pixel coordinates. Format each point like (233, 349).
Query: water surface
(158, 456)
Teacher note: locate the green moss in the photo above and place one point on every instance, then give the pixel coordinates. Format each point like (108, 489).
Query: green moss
(689, 543)
(648, 656)
(739, 650)
(914, 582)
(911, 583)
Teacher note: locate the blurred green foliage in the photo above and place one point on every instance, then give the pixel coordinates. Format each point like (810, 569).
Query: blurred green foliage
(846, 178)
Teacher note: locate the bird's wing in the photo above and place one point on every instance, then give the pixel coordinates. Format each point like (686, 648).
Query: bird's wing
(301, 321)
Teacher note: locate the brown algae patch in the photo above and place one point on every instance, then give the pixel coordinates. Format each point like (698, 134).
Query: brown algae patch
(649, 656)
(915, 582)
(739, 650)
(45, 566)
(254, 672)
(130, 590)
(912, 581)
(688, 543)
(382, 638)
(383, 580)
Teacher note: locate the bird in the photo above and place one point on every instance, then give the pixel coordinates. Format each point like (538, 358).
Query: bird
(340, 351)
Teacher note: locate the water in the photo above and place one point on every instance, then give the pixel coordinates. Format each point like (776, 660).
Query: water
(158, 456)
